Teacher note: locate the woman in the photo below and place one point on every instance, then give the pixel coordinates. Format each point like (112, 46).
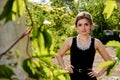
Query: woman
(82, 51)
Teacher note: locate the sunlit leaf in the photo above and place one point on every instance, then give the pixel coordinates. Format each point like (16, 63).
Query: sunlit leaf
(107, 63)
(41, 43)
(27, 66)
(60, 73)
(35, 31)
(111, 68)
(112, 64)
(118, 53)
(113, 43)
(17, 8)
(13, 9)
(110, 6)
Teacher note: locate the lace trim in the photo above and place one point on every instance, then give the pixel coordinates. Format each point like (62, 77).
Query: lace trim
(80, 46)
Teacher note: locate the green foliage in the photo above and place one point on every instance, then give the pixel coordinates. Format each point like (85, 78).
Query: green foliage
(12, 10)
(111, 67)
(112, 64)
(5, 72)
(7, 11)
(28, 67)
(48, 39)
(62, 21)
(101, 22)
(41, 37)
(108, 63)
(42, 68)
(113, 43)
(61, 16)
(118, 53)
(109, 8)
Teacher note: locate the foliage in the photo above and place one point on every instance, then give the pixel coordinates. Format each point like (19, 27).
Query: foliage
(113, 43)
(61, 16)
(12, 9)
(40, 65)
(109, 8)
(5, 72)
(118, 53)
(98, 11)
(113, 63)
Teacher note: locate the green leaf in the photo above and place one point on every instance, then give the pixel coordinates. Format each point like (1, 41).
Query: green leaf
(47, 38)
(13, 9)
(5, 72)
(41, 19)
(112, 64)
(113, 43)
(107, 63)
(111, 68)
(118, 53)
(35, 31)
(7, 11)
(41, 43)
(59, 74)
(35, 68)
(18, 8)
(110, 5)
(28, 67)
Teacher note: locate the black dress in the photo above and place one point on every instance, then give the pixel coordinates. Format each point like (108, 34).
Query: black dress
(82, 60)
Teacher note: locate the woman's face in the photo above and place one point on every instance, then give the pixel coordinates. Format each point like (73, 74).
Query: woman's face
(83, 26)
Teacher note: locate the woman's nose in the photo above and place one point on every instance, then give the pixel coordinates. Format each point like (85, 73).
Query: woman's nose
(83, 27)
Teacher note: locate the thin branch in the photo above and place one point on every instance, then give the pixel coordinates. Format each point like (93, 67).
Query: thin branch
(22, 36)
(28, 13)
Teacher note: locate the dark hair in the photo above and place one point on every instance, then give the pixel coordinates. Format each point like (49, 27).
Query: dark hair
(84, 15)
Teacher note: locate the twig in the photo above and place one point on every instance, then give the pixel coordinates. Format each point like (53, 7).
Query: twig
(22, 36)
(28, 13)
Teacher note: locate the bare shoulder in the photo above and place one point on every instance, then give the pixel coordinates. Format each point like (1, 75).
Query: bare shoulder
(98, 43)
(69, 38)
(69, 41)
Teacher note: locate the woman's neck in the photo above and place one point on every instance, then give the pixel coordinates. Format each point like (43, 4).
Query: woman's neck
(83, 37)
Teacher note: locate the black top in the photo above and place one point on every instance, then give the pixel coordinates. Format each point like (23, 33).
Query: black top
(82, 59)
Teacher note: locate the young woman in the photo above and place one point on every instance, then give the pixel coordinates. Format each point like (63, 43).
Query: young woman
(82, 51)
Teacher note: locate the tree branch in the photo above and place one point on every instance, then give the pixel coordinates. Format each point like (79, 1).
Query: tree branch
(22, 36)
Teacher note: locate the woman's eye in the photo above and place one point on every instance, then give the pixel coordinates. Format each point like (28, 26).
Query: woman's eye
(79, 24)
(86, 24)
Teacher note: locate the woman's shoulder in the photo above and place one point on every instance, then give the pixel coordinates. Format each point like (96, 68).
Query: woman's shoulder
(98, 42)
(69, 40)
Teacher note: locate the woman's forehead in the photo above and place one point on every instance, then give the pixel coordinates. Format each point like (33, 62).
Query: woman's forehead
(83, 20)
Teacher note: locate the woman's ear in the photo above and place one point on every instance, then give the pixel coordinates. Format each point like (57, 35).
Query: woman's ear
(91, 27)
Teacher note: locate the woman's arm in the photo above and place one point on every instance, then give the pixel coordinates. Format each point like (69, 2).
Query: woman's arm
(62, 51)
(101, 49)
